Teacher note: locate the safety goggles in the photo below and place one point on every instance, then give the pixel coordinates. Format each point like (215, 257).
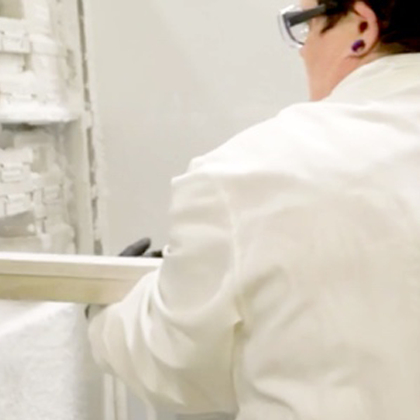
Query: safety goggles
(294, 23)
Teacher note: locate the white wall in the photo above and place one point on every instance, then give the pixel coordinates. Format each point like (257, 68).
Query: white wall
(175, 79)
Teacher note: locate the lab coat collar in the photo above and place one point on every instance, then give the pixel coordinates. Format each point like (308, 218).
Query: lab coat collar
(379, 79)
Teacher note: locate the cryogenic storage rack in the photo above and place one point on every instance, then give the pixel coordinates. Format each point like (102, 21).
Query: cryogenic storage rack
(50, 195)
(50, 152)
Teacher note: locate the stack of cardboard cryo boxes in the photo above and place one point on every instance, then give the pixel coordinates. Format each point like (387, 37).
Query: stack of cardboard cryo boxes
(47, 145)
(48, 204)
(35, 193)
(38, 52)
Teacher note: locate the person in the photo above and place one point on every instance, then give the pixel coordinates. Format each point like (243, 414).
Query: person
(290, 285)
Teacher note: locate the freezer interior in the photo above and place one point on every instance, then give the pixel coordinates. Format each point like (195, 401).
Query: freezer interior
(49, 203)
(49, 198)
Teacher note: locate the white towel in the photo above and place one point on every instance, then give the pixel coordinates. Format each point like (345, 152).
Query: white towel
(46, 370)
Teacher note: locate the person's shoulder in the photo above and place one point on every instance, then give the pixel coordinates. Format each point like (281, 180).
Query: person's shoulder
(296, 128)
(304, 118)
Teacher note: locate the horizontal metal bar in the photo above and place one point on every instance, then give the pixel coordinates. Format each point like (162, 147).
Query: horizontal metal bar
(70, 278)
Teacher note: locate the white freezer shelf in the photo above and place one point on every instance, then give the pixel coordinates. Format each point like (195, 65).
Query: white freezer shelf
(40, 116)
(70, 278)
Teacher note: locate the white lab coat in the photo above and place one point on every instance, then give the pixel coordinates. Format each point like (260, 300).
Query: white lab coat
(290, 287)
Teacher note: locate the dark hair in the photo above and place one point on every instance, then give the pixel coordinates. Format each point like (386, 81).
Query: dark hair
(399, 21)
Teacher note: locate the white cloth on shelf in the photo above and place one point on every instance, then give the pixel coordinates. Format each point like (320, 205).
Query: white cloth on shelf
(46, 371)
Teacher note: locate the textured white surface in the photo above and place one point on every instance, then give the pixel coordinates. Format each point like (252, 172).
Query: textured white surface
(34, 192)
(37, 68)
(46, 371)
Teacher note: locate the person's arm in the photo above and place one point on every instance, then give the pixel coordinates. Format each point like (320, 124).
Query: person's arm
(172, 339)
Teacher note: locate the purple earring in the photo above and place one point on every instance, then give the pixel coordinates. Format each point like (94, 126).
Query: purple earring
(358, 45)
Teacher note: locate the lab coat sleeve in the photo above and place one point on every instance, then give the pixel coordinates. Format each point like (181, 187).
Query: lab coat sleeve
(172, 339)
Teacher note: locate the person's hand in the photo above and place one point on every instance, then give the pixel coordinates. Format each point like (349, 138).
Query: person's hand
(137, 249)
(140, 249)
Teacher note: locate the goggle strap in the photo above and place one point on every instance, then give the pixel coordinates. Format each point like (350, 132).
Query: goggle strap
(295, 18)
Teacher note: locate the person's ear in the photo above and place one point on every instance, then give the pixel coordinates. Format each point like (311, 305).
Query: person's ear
(367, 32)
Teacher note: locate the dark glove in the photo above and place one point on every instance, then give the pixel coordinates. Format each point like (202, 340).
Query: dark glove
(139, 248)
